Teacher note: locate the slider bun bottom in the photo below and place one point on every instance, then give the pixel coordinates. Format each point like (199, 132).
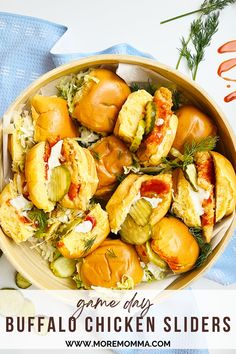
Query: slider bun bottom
(9, 219)
(122, 199)
(183, 205)
(98, 269)
(225, 189)
(35, 177)
(173, 242)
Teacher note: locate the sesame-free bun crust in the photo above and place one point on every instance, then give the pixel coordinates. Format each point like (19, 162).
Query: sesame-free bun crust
(100, 269)
(225, 189)
(173, 242)
(101, 101)
(51, 119)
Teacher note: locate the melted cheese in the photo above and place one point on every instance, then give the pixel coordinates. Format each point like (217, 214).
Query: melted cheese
(84, 227)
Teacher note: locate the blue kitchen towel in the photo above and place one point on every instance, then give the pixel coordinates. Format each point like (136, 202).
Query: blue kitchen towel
(25, 44)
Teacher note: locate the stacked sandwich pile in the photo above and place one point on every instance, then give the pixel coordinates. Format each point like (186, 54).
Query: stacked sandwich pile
(116, 180)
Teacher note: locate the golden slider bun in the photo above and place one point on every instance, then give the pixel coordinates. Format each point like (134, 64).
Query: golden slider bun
(193, 125)
(124, 196)
(81, 165)
(106, 269)
(131, 113)
(12, 222)
(51, 119)
(225, 189)
(173, 242)
(35, 174)
(151, 153)
(77, 244)
(110, 155)
(101, 101)
(184, 205)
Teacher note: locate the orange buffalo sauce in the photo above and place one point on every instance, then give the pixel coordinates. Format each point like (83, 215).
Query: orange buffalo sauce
(73, 190)
(153, 188)
(228, 65)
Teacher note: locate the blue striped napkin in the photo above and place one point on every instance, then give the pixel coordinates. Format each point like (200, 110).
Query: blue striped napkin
(25, 44)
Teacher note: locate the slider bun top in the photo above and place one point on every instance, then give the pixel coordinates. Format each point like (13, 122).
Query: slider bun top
(101, 101)
(110, 155)
(77, 244)
(35, 174)
(119, 204)
(184, 205)
(225, 189)
(193, 125)
(109, 263)
(51, 119)
(11, 221)
(81, 165)
(173, 242)
(131, 113)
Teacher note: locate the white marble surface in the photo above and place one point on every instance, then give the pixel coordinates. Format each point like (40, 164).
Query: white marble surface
(94, 25)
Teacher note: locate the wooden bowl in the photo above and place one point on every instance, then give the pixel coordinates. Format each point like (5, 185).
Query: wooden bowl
(28, 261)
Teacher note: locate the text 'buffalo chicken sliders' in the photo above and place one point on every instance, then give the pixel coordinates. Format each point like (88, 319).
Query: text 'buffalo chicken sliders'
(64, 173)
(148, 125)
(138, 203)
(114, 264)
(207, 194)
(101, 99)
(110, 155)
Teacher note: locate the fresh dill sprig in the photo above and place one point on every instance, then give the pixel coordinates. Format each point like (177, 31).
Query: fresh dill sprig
(206, 144)
(201, 33)
(134, 87)
(110, 253)
(96, 155)
(205, 248)
(88, 243)
(205, 9)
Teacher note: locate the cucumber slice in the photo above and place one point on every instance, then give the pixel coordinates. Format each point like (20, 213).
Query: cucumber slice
(138, 136)
(134, 234)
(63, 267)
(150, 116)
(21, 282)
(154, 258)
(141, 212)
(59, 183)
(190, 174)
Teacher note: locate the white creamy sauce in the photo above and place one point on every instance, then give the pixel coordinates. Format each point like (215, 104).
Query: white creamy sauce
(159, 122)
(84, 227)
(153, 201)
(55, 154)
(197, 198)
(153, 268)
(21, 203)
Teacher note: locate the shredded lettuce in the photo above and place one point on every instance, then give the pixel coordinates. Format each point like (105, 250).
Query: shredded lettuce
(152, 272)
(78, 281)
(87, 137)
(72, 87)
(132, 168)
(127, 283)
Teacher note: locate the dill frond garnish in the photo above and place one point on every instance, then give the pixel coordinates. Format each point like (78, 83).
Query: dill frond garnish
(205, 248)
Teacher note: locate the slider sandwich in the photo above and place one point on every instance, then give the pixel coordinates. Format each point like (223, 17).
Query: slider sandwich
(148, 125)
(204, 193)
(64, 173)
(138, 203)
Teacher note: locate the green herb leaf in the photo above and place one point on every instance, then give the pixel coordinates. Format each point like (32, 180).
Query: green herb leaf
(88, 243)
(134, 87)
(40, 219)
(95, 155)
(110, 253)
(206, 144)
(205, 248)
